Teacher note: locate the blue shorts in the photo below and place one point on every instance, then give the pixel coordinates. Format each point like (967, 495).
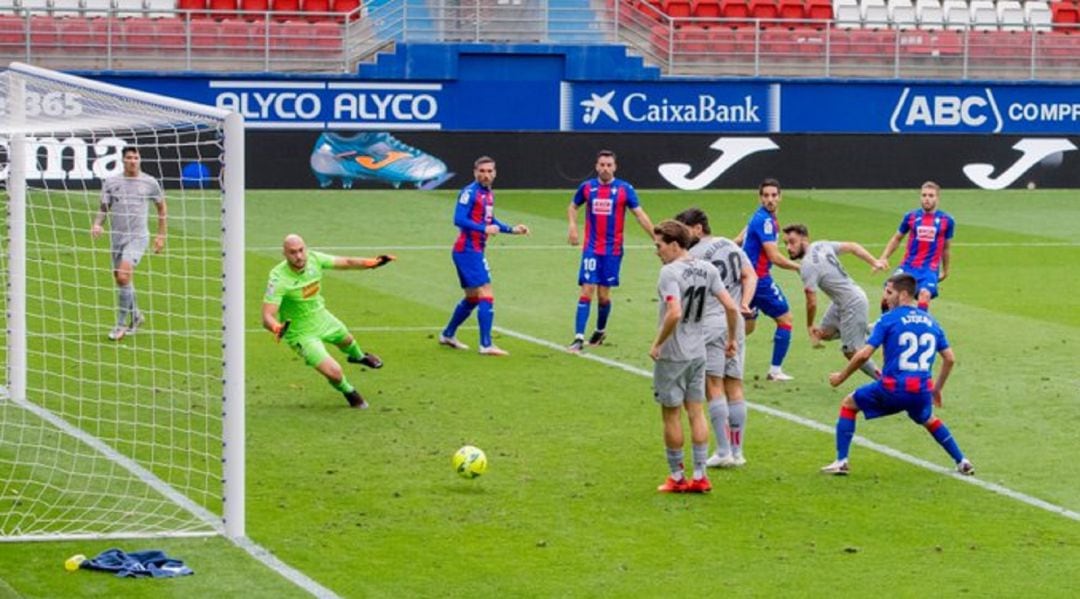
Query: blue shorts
(472, 269)
(599, 270)
(924, 279)
(875, 401)
(769, 299)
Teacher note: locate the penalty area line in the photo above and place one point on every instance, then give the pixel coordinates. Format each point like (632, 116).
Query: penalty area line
(815, 425)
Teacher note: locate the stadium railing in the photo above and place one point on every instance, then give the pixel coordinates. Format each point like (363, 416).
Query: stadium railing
(238, 40)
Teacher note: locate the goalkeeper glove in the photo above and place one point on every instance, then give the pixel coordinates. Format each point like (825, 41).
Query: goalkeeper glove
(380, 260)
(280, 329)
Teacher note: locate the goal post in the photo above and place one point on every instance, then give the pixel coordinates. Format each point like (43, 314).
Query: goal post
(139, 436)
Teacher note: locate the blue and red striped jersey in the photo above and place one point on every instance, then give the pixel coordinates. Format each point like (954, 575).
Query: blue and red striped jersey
(927, 233)
(605, 214)
(761, 229)
(911, 340)
(475, 211)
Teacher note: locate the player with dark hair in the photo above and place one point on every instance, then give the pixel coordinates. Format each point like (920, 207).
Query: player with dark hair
(475, 216)
(758, 240)
(848, 315)
(606, 200)
(911, 338)
(678, 351)
(930, 232)
(723, 374)
(124, 200)
(294, 311)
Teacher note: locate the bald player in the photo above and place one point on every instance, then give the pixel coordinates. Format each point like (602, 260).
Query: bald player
(294, 311)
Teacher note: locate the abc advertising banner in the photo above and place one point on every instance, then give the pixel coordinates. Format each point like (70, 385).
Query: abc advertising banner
(930, 108)
(350, 104)
(423, 159)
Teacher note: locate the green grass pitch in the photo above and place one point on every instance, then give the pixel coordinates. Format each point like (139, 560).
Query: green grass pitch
(366, 503)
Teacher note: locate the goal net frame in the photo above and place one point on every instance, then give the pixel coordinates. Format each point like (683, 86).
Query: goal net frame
(16, 126)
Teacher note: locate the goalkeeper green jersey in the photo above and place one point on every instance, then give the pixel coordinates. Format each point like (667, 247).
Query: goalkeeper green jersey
(297, 294)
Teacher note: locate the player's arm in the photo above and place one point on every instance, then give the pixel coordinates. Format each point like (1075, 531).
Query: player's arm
(103, 211)
(462, 220)
(850, 247)
(857, 360)
(643, 220)
(773, 252)
(162, 225)
(894, 242)
(361, 263)
(672, 316)
(731, 314)
(748, 279)
(811, 314)
(271, 322)
(572, 236)
(945, 261)
(738, 239)
(948, 360)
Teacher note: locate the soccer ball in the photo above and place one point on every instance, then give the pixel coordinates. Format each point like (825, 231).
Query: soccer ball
(470, 461)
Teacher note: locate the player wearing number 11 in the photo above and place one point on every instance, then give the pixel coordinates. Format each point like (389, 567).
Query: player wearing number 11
(679, 350)
(911, 338)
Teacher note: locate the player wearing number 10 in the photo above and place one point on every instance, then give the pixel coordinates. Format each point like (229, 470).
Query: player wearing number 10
(679, 351)
(606, 200)
(912, 338)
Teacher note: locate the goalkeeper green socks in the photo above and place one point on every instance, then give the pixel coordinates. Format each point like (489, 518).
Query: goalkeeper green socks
(354, 351)
(344, 386)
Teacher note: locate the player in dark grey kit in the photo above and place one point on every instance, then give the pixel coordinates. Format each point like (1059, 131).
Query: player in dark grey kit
(847, 317)
(679, 351)
(125, 200)
(723, 375)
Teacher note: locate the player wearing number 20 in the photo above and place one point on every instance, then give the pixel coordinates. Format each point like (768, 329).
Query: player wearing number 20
(911, 338)
(679, 350)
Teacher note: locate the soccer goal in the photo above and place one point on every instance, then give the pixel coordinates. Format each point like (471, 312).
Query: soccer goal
(138, 433)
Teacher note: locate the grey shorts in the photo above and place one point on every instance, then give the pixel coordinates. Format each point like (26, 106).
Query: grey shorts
(718, 364)
(849, 323)
(129, 250)
(679, 383)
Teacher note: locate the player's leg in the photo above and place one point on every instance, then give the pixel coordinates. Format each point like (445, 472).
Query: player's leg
(845, 432)
(485, 316)
(694, 401)
(125, 298)
(610, 266)
(668, 391)
(927, 284)
(314, 354)
(853, 333)
(716, 405)
(341, 337)
(472, 274)
(581, 315)
(922, 414)
(770, 300)
(733, 389)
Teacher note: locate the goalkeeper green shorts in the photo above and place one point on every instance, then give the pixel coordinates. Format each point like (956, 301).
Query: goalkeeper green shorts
(307, 338)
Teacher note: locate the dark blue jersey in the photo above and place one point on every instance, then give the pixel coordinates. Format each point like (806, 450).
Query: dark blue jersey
(911, 339)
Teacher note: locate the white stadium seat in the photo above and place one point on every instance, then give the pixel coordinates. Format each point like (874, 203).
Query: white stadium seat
(929, 15)
(983, 15)
(1037, 15)
(902, 14)
(66, 8)
(1010, 15)
(957, 14)
(847, 13)
(159, 8)
(875, 14)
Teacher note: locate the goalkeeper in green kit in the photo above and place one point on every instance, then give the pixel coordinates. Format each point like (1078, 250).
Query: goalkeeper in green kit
(294, 311)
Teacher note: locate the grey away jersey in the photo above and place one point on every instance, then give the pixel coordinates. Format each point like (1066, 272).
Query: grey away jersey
(728, 259)
(689, 281)
(821, 267)
(127, 200)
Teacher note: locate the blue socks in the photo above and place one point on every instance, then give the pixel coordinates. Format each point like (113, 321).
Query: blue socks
(603, 309)
(486, 316)
(845, 432)
(781, 343)
(461, 312)
(581, 319)
(944, 438)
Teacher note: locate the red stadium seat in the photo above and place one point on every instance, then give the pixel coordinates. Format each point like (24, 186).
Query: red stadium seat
(320, 9)
(819, 10)
(172, 34)
(222, 9)
(80, 34)
(236, 35)
(792, 9)
(44, 33)
(1067, 14)
(327, 37)
(197, 7)
(706, 9)
(347, 6)
(765, 9)
(735, 9)
(676, 8)
(250, 9)
(285, 6)
(691, 39)
(12, 33)
(290, 35)
(140, 35)
(205, 36)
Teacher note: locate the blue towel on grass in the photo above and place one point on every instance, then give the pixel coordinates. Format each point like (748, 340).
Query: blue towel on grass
(139, 564)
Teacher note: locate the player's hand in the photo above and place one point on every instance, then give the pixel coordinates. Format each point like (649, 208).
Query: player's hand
(572, 237)
(654, 352)
(383, 260)
(815, 337)
(280, 329)
(944, 275)
(746, 311)
(96, 231)
(521, 230)
(880, 265)
(159, 243)
(937, 398)
(836, 378)
(730, 348)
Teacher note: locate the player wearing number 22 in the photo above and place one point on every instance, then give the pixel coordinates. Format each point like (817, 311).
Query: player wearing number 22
(679, 352)
(606, 200)
(912, 338)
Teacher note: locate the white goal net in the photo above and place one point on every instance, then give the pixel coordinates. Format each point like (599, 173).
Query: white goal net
(119, 393)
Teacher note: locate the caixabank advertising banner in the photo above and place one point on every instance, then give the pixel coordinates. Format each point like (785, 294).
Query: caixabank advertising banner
(429, 160)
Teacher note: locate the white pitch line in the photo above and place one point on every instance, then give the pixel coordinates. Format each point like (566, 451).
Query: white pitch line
(566, 246)
(815, 425)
